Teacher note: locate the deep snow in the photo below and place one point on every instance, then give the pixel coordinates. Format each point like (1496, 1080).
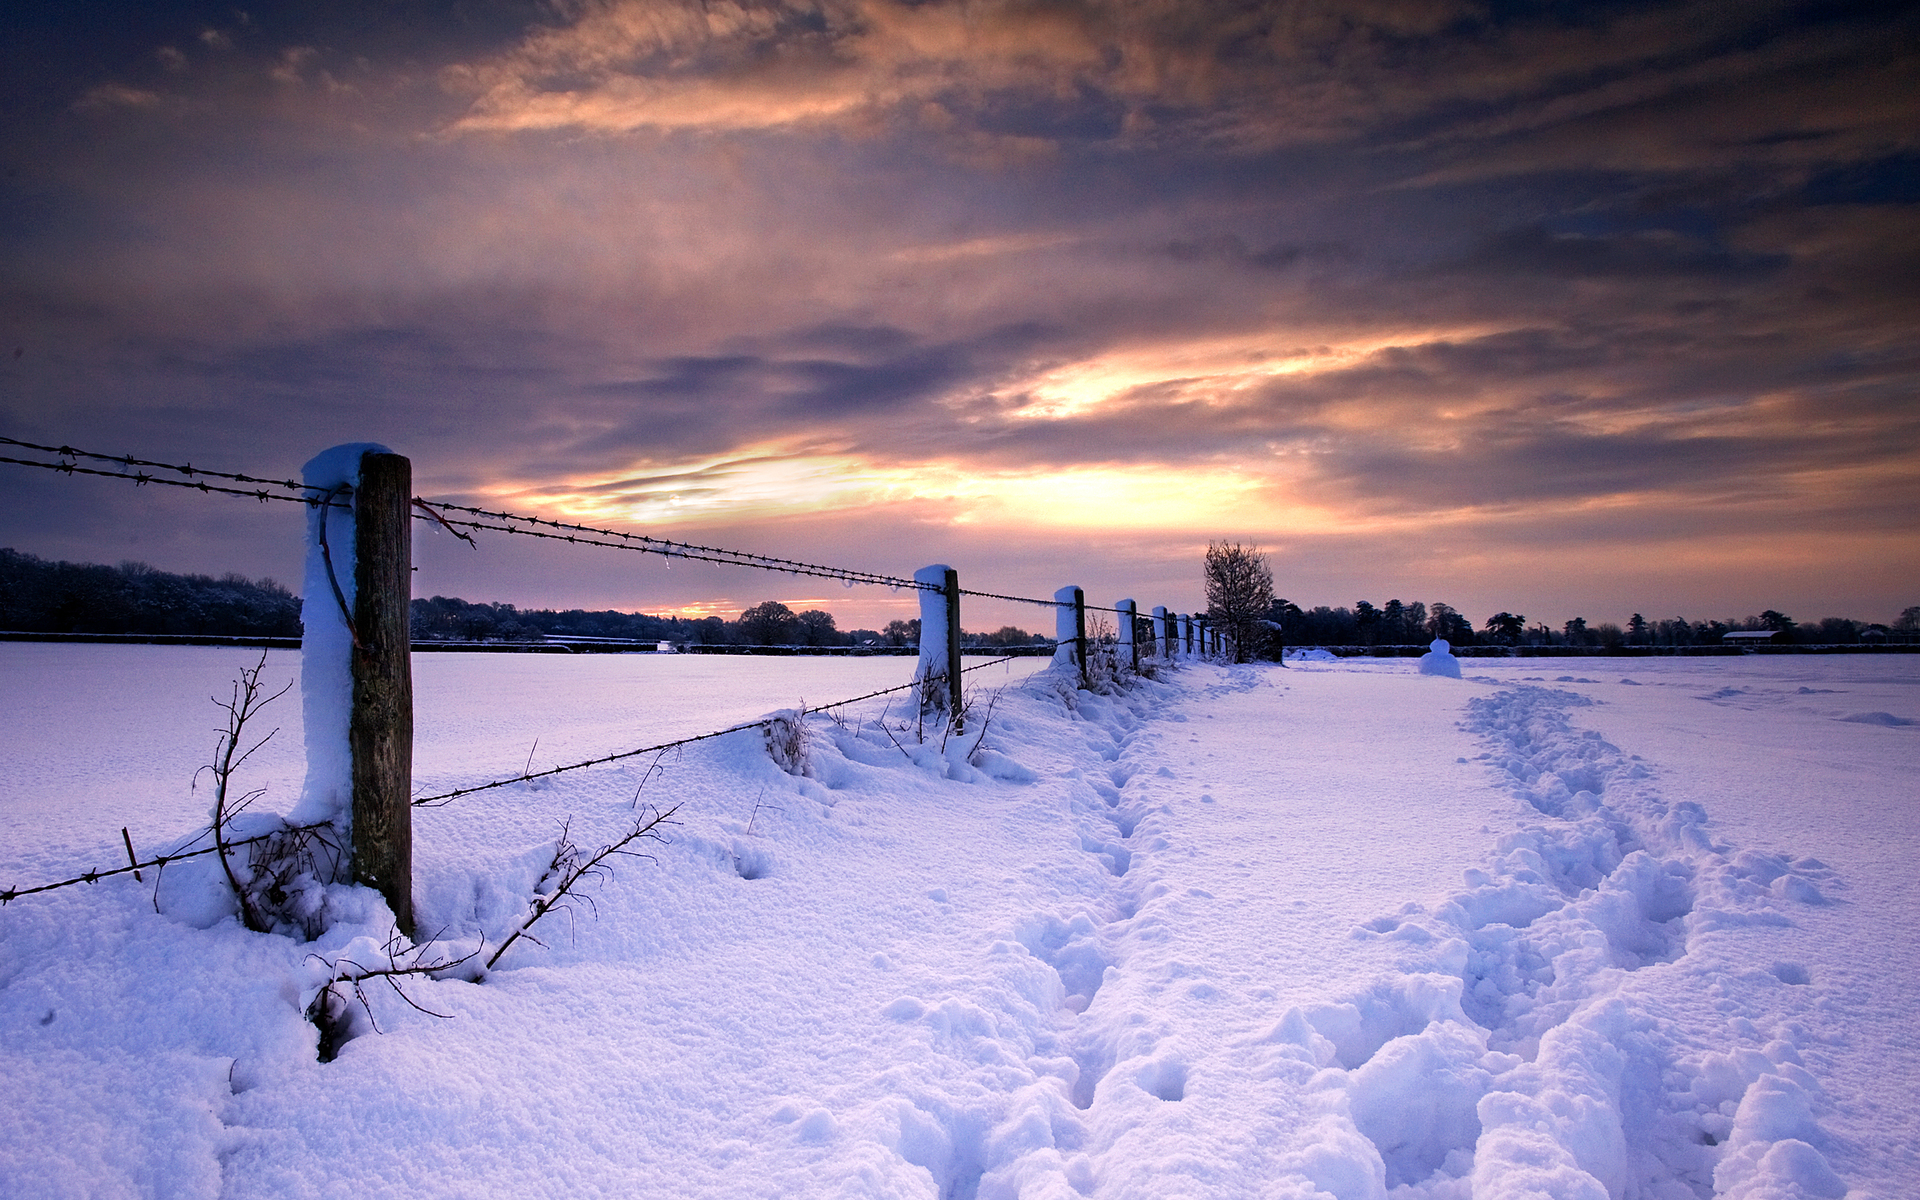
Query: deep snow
(1639, 928)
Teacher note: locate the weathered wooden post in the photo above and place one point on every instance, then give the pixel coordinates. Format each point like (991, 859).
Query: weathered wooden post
(1161, 643)
(356, 677)
(1070, 629)
(1128, 611)
(381, 727)
(1184, 638)
(937, 677)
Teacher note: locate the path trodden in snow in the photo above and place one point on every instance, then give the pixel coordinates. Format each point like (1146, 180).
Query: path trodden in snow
(1240, 932)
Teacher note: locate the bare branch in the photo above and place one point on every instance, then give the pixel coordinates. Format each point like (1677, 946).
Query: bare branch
(570, 868)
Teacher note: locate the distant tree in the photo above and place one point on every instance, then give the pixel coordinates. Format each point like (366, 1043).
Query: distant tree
(1576, 632)
(1416, 621)
(1393, 621)
(903, 633)
(1444, 622)
(1779, 622)
(1239, 593)
(1676, 632)
(1292, 622)
(1909, 620)
(1609, 635)
(1637, 630)
(768, 623)
(1507, 628)
(1366, 622)
(1838, 631)
(816, 628)
(1006, 635)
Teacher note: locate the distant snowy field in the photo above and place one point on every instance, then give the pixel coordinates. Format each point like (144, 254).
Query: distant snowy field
(1568, 928)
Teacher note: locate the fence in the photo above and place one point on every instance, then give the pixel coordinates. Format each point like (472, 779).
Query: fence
(359, 503)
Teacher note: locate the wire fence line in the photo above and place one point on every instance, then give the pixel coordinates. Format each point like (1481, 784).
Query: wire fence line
(160, 861)
(444, 798)
(195, 479)
(141, 471)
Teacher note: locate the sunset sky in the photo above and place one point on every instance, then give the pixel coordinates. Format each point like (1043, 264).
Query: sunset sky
(1568, 310)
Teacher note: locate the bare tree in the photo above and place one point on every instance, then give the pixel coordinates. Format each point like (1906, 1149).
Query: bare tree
(1239, 592)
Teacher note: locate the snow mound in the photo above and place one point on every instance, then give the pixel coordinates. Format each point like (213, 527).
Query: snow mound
(1439, 660)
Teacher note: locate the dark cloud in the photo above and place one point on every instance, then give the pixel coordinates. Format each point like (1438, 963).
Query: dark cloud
(1497, 269)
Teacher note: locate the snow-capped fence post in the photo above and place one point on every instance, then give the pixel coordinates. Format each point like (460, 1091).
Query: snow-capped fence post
(1161, 644)
(381, 727)
(1128, 612)
(938, 674)
(1183, 635)
(1070, 629)
(356, 676)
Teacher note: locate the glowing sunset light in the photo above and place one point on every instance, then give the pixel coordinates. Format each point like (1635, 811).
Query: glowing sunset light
(1555, 312)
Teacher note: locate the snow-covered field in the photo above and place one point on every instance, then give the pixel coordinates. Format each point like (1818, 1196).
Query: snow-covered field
(1562, 928)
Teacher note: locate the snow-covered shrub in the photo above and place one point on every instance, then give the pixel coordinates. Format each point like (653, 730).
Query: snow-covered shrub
(786, 733)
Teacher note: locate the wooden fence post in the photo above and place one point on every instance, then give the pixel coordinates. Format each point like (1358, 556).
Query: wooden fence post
(1070, 629)
(1080, 636)
(380, 729)
(936, 678)
(1128, 611)
(1162, 644)
(951, 586)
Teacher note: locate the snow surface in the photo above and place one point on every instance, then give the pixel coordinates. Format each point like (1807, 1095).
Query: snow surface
(1562, 928)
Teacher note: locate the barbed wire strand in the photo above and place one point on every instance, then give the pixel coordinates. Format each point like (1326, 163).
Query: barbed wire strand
(130, 461)
(9, 895)
(445, 798)
(311, 495)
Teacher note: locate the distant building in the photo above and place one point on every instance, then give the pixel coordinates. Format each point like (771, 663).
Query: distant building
(1750, 637)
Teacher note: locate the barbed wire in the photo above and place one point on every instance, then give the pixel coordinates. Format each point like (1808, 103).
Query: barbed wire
(445, 798)
(9, 895)
(586, 535)
(431, 511)
(187, 469)
(142, 479)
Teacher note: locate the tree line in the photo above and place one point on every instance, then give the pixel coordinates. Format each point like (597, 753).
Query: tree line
(1396, 624)
(38, 596)
(1240, 599)
(769, 623)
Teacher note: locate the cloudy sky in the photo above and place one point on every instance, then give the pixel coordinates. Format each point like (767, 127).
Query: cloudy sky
(1569, 310)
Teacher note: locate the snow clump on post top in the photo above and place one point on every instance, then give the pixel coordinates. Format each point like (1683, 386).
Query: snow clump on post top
(326, 643)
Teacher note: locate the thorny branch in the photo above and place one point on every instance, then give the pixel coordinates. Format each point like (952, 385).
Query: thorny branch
(570, 866)
(331, 1011)
(227, 758)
